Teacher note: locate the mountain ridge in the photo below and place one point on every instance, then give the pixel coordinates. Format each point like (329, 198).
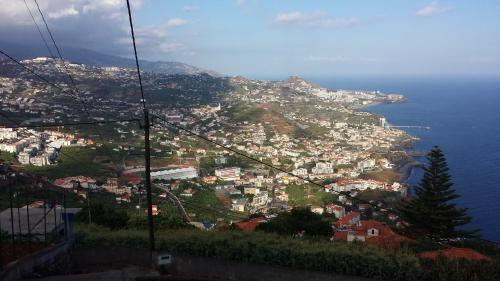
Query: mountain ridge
(94, 58)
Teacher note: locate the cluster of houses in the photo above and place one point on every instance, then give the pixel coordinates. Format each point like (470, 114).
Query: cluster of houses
(82, 185)
(37, 148)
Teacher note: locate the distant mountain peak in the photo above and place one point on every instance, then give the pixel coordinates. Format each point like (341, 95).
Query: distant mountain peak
(90, 57)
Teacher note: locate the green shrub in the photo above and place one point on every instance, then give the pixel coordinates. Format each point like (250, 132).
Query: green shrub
(263, 248)
(104, 215)
(299, 219)
(460, 270)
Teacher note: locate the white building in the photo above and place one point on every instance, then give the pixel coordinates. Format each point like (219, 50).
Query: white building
(173, 174)
(228, 174)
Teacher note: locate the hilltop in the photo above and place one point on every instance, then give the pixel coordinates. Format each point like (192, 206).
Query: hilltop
(93, 58)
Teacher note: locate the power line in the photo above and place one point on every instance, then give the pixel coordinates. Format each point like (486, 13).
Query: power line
(38, 28)
(67, 124)
(71, 94)
(147, 145)
(34, 73)
(66, 68)
(143, 100)
(20, 126)
(48, 30)
(264, 163)
(280, 169)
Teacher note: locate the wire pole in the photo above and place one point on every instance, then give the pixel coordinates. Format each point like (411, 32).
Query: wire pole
(12, 221)
(88, 204)
(147, 156)
(147, 146)
(28, 221)
(45, 221)
(18, 215)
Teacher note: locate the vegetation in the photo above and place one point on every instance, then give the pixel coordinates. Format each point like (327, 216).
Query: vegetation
(104, 215)
(74, 161)
(262, 248)
(7, 157)
(296, 221)
(431, 213)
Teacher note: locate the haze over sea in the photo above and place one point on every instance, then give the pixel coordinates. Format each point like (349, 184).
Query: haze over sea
(464, 116)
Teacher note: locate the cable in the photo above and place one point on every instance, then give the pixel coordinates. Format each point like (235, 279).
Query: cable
(66, 68)
(67, 124)
(38, 28)
(282, 170)
(264, 163)
(143, 101)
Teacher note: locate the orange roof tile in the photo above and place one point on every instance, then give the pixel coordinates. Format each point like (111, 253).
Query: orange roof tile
(250, 225)
(455, 253)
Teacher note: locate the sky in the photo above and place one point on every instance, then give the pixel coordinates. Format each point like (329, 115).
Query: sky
(274, 38)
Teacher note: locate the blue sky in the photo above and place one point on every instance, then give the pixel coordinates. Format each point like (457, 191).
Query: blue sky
(264, 38)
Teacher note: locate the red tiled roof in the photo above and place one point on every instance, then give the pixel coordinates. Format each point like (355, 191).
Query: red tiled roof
(340, 235)
(347, 218)
(132, 178)
(250, 225)
(455, 253)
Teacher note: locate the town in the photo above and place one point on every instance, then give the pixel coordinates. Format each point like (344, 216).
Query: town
(338, 145)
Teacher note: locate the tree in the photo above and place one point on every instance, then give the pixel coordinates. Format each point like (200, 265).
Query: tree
(105, 216)
(299, 219)
(432, 213)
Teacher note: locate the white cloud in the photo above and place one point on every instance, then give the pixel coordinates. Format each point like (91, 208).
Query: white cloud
(190, 8)
(433, 9)
(71, 11)
(314, 19)
(101, 25)
(175, 22)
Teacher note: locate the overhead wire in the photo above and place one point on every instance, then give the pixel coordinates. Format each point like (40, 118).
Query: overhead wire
(72, 81)
(39, 30)
(143, 99)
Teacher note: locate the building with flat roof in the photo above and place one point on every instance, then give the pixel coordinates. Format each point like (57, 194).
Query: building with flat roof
(175, 174)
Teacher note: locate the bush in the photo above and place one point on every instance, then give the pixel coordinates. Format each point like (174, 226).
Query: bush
(297, 220)
(268, 249)
(105, 216)
(460, 270)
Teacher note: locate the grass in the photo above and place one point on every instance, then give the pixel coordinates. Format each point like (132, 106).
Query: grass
(301, 195)
(263, 248)
(75, 161)
(7, 157)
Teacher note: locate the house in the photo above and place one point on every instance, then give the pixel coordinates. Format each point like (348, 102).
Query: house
(251, 190)
(317, 209)
(371, 232)
(351, 218)
(228, 174)
(455, 253)
(250, 224)
(239, 205)
(155, 210)
(260, 199)
(232, 190)
(188, 192)
(131, 178)
(337, 210)
(209, 179)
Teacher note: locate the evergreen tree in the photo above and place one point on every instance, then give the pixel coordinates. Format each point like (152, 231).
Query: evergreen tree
(431, 213)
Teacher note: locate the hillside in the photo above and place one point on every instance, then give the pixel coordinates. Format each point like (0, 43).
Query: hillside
(90, 57)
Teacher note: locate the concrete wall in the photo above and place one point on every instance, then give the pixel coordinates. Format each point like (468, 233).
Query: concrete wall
(29, 264)
(88, 260)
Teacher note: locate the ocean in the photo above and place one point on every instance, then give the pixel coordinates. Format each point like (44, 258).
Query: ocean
(464, 116)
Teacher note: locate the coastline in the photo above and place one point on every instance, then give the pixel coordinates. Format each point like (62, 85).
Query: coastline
(406, 169)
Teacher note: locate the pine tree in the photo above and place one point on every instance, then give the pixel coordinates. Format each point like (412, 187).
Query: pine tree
(432, 213)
